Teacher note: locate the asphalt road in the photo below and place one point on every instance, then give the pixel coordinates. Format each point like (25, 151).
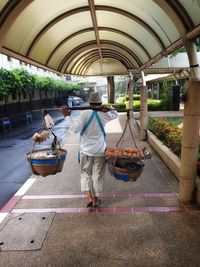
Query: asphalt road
(14, 167)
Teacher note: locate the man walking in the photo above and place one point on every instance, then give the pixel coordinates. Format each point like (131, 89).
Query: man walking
(90, 124)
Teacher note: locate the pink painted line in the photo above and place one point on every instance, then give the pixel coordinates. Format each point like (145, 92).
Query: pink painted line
(157, 195)
(140, 209)
(88, 210)
(104, 210)
(11, 204)
(106, 195)
(167, 209)
(123, 209)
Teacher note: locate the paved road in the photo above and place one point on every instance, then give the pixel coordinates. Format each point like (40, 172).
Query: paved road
(14, 145)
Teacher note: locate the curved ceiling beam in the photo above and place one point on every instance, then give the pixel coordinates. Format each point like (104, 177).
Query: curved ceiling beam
(52, 23)
(85, 55)
(94, 22)
(127, 36)
(66, 40)
(118, 56)
(108, 56)
(100, 29)
(80, 66)
(128, 65)
(85, 65)
(182, 14)
(86, 8)
(134, 18)
(88, 66)
(171, 13)
(106, 53)
(79, 63)
(66, 61)
(9, 14)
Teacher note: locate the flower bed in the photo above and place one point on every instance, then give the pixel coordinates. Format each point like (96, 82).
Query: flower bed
(170, 135)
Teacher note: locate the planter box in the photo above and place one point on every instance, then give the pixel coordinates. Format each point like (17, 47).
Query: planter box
(170, 159)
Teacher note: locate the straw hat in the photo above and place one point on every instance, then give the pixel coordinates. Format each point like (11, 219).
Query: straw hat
(95, 98)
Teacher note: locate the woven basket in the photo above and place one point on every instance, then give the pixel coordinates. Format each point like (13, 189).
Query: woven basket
(125, 170)
(47, 166)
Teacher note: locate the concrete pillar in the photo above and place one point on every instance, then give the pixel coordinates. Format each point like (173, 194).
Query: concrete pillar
(193, 60)
(191, 123)
(143, 109)
(111, 89)
(130, 93)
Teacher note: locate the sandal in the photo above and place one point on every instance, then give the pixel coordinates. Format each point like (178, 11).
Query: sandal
(89, 204)
(96, 202)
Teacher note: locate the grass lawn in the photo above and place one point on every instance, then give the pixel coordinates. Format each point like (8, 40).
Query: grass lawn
(175, 120)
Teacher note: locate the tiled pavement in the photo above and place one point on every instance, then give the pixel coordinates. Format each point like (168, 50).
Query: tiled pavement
(138, 223)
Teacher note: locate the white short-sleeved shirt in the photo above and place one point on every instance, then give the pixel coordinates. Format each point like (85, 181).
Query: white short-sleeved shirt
(92, 142)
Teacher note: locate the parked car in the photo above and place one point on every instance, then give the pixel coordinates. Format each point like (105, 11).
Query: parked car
(76, 100)
(104, 98)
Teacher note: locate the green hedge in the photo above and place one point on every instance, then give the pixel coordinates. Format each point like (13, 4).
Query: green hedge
(20, 80)
(115, 105)
(153, 105)
(122, 98)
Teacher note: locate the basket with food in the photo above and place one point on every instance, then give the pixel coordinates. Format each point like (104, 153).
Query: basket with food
(48, 161)
(124, 164)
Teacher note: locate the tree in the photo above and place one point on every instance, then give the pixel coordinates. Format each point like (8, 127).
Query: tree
(7, 82)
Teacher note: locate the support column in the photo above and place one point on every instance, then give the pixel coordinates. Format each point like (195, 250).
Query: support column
(111, 89)
(191, 123)
(143, 109)
(130, 92)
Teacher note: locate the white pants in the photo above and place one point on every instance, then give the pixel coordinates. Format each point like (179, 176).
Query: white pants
(92, 174)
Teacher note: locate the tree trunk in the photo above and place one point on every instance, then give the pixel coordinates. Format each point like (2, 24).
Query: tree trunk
(111, 89)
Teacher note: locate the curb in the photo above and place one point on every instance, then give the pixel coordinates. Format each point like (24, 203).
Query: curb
(10, 205)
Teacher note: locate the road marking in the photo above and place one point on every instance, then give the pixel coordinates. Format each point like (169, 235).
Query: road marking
(3, 215)
(9, 206)
(25, 187)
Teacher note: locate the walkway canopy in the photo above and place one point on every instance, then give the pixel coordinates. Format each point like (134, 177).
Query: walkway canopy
(96, 37)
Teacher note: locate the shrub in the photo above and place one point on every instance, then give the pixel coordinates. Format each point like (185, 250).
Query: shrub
(115, 105)
(153, 105)
(121, 100)
(170, 135)
(125, 98)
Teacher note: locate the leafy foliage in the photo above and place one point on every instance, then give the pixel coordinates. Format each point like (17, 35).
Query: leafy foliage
(7, 82)
(169, 134)
(152, 104)
(115, 105)
(165, 131)
(21, 80)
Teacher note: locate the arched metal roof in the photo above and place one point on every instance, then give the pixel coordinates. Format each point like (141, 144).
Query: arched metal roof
(96, 37)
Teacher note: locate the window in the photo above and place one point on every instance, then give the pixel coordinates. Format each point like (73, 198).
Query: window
(9, 58)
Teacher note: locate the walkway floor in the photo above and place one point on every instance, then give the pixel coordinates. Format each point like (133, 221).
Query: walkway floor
(138, 224)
